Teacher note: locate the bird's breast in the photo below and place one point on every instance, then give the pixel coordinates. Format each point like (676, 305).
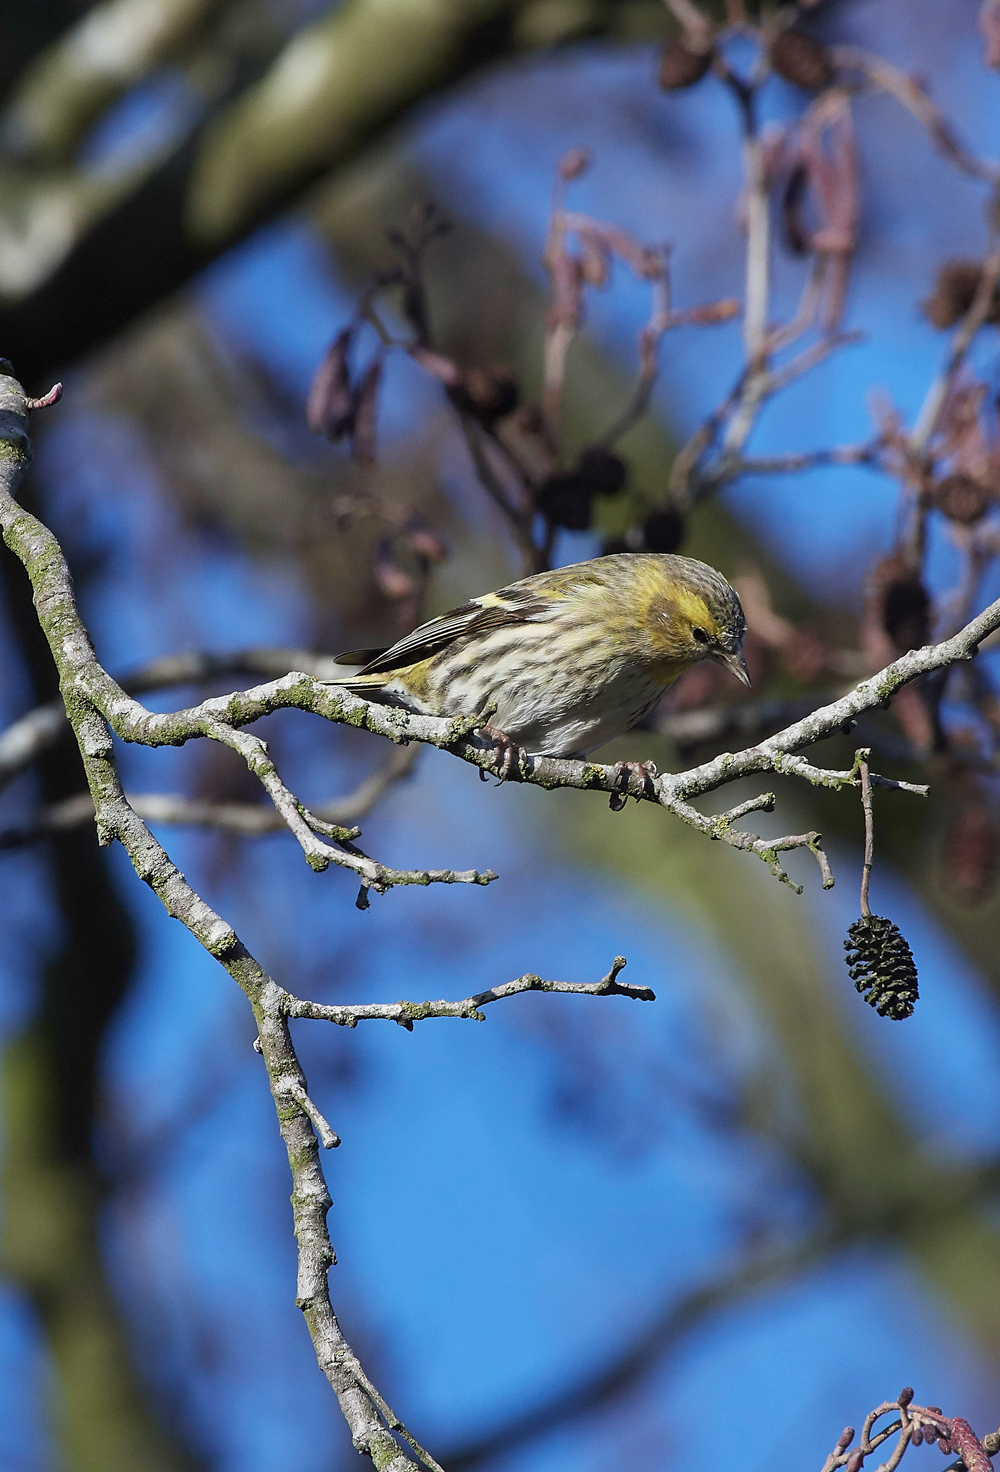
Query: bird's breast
(664, 672)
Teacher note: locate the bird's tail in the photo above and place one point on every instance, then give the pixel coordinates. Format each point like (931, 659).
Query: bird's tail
(353, 663)
(357, 683)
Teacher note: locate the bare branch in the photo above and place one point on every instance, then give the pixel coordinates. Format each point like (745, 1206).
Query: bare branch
(808, 459)
(90, 694)
(979, 309)
(244, 819)
(911, 95)
(758, 260)
(293, 1089)
(914, 1424)
(405, 1014)
(72, 651)
(519, 518)
(695, 24)
(27, 738)
(35, 732)
(133, 723)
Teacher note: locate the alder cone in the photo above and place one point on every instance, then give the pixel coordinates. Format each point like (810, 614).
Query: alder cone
(898, 600)
(802, 60)
(488, 394)
(566, 499)
(602, 471)
(906, 613)
(881, 966)
(962, 498)
(663, 530)
(954, 290)
(682, 67)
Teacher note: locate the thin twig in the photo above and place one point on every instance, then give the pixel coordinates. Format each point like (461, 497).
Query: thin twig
(911, 95)
(865, 454)
(674, 792)
(518, 518)
(405, 1014)
(866, 802)
(961, 341)
(292, 1087)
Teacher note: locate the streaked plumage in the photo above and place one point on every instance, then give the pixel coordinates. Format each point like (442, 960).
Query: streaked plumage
(571, 658)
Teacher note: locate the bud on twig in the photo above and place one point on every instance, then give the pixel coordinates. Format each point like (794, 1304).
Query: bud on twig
(426, 544)
(573, 163)
(802, 59)
(53, 396)
(709, 314)
(961, 498)
(488, 394)
(330, 406)
(989, 27)
(366, 403)
(682, 66)
(390, 577)
(954, 290)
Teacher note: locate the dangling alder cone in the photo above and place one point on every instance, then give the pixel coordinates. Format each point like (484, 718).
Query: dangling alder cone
(881, 966)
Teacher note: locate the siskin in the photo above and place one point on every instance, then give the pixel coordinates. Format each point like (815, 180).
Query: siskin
(569, 658)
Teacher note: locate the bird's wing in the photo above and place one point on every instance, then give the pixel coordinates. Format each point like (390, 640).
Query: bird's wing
(492, 611)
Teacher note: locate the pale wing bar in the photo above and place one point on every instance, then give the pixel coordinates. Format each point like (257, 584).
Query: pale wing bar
(432, 637)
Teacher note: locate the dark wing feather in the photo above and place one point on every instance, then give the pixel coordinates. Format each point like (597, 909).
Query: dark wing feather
(432, 637)
(360, 656)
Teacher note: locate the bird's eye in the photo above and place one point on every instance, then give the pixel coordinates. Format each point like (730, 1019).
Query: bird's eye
(700, 635)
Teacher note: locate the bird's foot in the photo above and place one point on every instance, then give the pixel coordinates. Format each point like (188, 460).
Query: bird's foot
(632, 779)
(510, 758)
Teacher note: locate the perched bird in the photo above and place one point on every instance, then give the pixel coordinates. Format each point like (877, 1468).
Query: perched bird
(569, 658)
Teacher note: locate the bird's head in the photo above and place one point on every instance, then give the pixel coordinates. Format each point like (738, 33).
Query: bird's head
(697, 615)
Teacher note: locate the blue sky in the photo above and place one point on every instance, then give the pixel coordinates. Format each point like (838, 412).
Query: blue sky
(515, 1197)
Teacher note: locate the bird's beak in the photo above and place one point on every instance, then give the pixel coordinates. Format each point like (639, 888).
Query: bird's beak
(732, 660)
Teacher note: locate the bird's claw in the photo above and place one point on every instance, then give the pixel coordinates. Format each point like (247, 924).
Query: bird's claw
(509, 757)
(641, 773)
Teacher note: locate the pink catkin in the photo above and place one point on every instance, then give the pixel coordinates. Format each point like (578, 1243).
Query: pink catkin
(967, 1444)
